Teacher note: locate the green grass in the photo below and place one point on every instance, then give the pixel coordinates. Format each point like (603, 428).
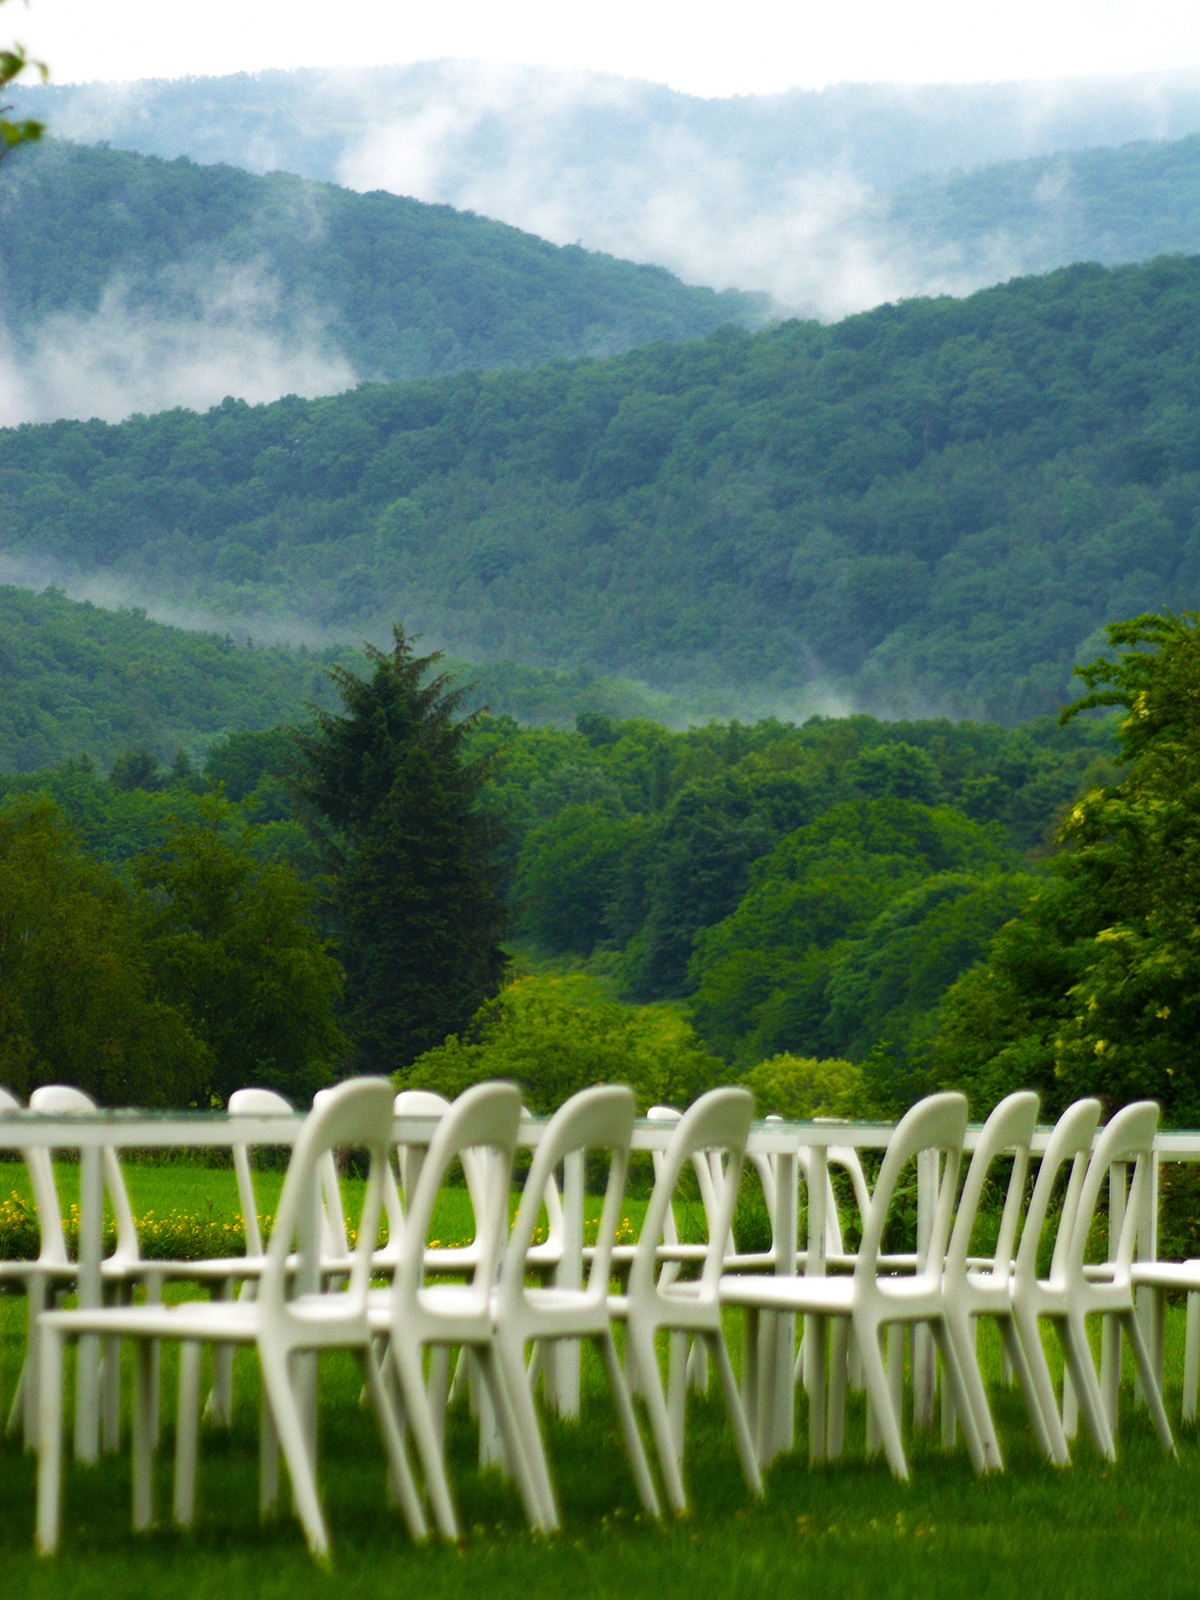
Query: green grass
(845, 1529)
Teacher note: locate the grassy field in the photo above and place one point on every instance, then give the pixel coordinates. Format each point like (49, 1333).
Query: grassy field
(845, 1530)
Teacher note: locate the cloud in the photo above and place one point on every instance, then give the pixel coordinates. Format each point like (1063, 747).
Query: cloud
(186, 337)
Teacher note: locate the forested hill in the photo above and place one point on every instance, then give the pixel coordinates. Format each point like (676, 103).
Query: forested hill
(803, 194)
(930, 507)
(77, 679)
(1109, 205)
(142, 259)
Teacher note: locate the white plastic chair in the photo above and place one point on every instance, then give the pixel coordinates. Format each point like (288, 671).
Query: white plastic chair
(873, 1296)
(126, 1269)
(973, 1288)
(415, 1314)
(280, 1328)
(1072, 1292)
(656, 1298)
(599, 1119)
(42, 1281)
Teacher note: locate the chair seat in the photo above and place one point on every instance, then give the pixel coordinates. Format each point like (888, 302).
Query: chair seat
(214, 1270)
(21, 1272)
(818, 1295)
(193, 1319)
(1166, 1274)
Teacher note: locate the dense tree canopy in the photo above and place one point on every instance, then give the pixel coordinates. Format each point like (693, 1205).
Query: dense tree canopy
(394, 288)
(937, 503)
(197, 974)
(229, 944)
(1094, 987)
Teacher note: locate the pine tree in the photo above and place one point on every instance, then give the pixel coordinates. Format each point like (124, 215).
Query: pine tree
(395, 808)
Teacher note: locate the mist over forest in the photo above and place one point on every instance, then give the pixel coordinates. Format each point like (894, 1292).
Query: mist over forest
(930, 508)
(831, 201)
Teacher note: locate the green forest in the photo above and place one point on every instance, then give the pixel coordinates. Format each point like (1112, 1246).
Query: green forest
(398, 289)
(932, 506)
(801, 891)
(77, 679)
(1129, 203)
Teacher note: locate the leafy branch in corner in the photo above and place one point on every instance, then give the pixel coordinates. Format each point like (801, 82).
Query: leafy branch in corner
(13, 62)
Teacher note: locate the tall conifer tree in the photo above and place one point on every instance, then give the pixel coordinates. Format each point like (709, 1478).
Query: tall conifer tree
(395, 807)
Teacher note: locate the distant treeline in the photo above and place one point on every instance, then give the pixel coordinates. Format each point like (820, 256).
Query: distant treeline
(811, 889)
(397, 289)
(934, 504)
(79, 680)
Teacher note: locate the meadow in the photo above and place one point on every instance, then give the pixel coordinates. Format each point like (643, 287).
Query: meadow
(848, 1528)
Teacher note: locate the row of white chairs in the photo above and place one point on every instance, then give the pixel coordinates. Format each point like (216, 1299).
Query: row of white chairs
(308, 1293)
(306, 1299)
(947, 1290)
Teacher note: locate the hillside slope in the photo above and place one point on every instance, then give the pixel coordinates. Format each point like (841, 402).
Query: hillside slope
(788, 193)
(79, 679)
(929, 507)
(1110, 205)
(132, 283)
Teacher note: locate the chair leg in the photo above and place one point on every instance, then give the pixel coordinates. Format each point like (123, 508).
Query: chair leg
(1070, 1406)
(38, 1297)
(961, 1331)
(16, 1412)
(187, 1429)
(750, 1368)
(1150, 1386)
(677, 1383)
(963, 1398)
(1191, 1358)
(628, 1424)
(511, 1359)
(698, 1366)
(1030, 1339)
(737, 1417)
(143, 1433)
(815, 1383)
(1072, 1335)
(293, 1437)
(641, 1341)
(439, 1389)
(110, 1396)
(835, 1415)
(895, 1367)
(407, 1359)
(400, 1478)
(877, 1383)
(50, 1440)
(1017, 1365)
(268, 1460)
(1110, 1368)
(511, 1434)
(220, 1400)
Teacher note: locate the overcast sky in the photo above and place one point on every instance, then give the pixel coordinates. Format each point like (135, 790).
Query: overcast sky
(749, 47)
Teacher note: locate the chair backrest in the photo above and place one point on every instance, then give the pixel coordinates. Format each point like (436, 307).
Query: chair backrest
(1127, 1136)
(483, 1120)
(718, 1121)
(1009, 1129)
(57, 1099)
(1070, 1140)
(937, 1123)
(599, 1119)
(552, 1245)
(356, 1113)
(52, 1244)
(334, 1239)
(252, 1103)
